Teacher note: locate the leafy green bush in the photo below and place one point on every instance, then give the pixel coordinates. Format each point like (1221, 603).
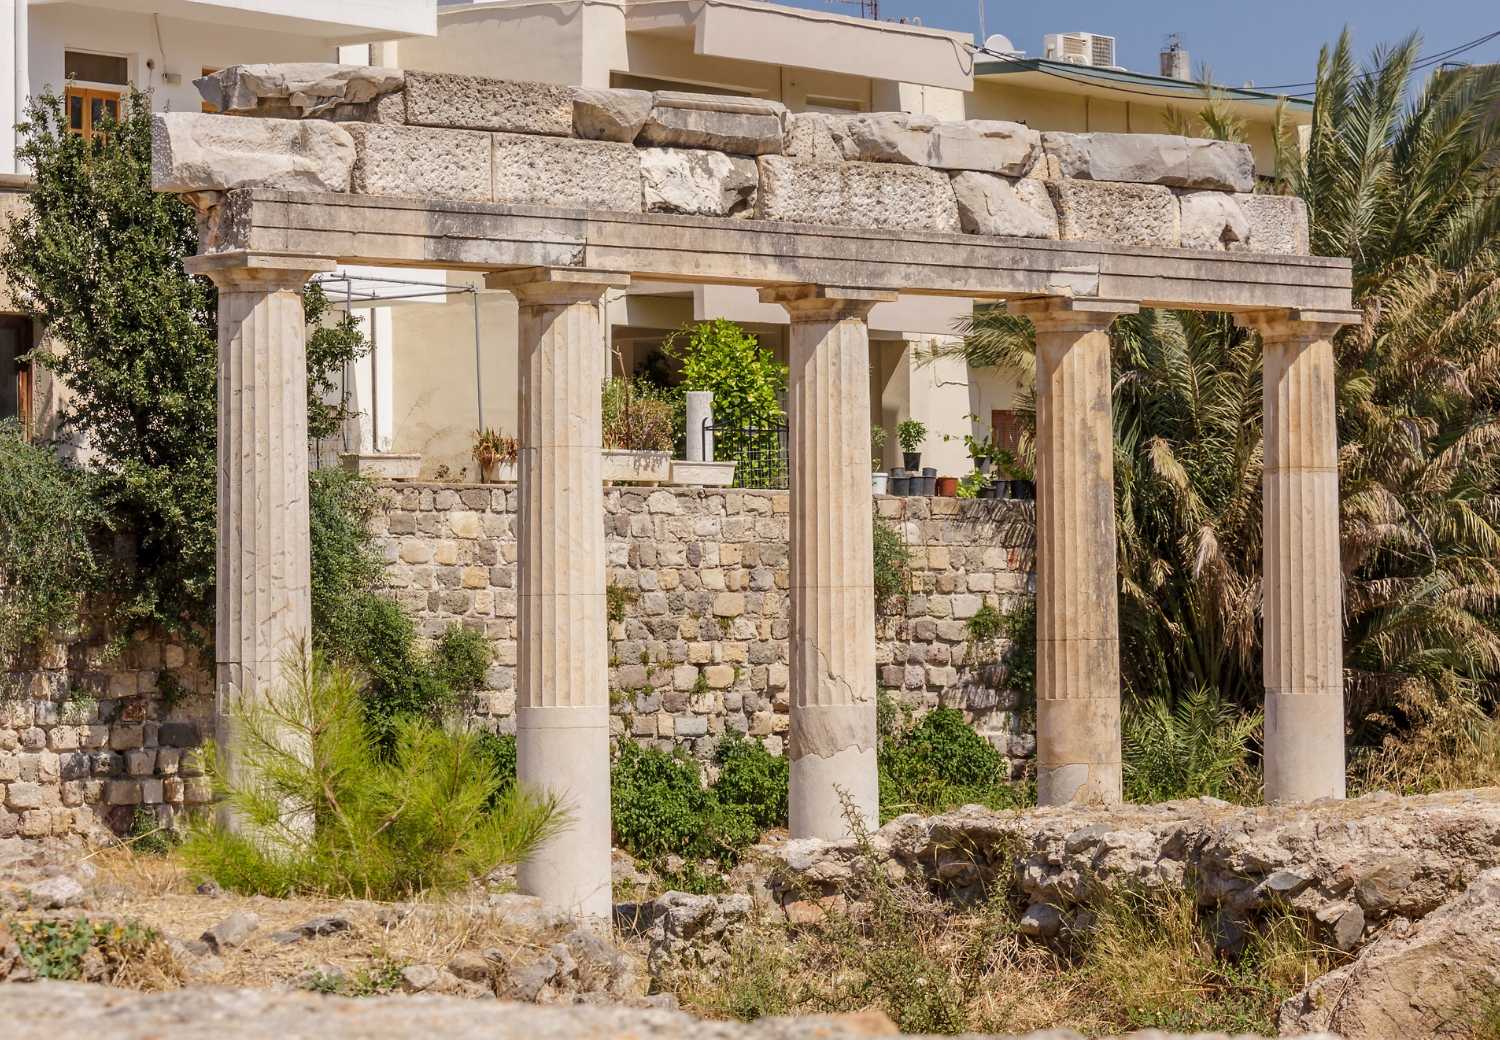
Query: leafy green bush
(940, 764)
(56, 949)
(1200, 747)
(500, 750)
(331, 813)
(753, 779)
(1019, 629)
(892, 566)
(745, 378)
(460, 659)
(329, 349)
(661, 807)
(48, 524)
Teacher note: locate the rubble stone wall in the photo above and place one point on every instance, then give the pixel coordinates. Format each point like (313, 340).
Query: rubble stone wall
(100, 730)
(467, 138)
(699, 626)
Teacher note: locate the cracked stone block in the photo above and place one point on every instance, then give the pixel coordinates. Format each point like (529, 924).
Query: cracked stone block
(1181, 162)
(478, 103)
(986, 146)
(809, 136)
(991, 205)
(421, 162)
(740, 126)
(707, 184)
(610, 115)
(564, 172)
(1128, 214)
(296, 89)
(856, 194)
(1278, 224)
(1212, 220)
(194, 151)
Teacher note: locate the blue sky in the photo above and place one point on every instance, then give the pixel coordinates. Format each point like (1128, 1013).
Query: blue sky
(1267, 41)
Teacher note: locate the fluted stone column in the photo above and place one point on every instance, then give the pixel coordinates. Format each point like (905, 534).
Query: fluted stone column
(263, 615)
(1077, 626)
(562, 678)
(1302, 580)
(832, 741)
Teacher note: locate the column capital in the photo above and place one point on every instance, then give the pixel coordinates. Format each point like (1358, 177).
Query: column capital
(1296, 323)
(557, 285)
(826, 302)
(242, 271)
(1070, 313)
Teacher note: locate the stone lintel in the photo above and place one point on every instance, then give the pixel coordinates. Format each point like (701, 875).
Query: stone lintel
(242, 270)
(826, 302)
(556, 284)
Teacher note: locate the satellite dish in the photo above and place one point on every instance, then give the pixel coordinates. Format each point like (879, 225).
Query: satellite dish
(1001, 45)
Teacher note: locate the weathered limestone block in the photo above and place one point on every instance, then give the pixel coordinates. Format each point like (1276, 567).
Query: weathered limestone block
(421, 162)
(706, 184)
(991, 205)
(568, 173)
(1426, 980)
(192, 151)
(889, 137)
(1182, 162)
(1132, 214)
(478, 103)
(1278, 224)
(610, 115)
(856, 194)
(985, 145)
(809, 136)
(1213, 220)
(297, 89)
(741, 126)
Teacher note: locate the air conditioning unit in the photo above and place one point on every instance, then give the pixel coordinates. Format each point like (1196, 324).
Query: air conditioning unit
(1080, 48)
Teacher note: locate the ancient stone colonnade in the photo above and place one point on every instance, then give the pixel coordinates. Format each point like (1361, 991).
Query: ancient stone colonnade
(852, 212)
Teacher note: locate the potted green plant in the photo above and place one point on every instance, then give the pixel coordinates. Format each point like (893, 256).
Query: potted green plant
(972, 485)
(496, 455)
(879, 479)
(1022, 480)
(639, 431)
(911, 433)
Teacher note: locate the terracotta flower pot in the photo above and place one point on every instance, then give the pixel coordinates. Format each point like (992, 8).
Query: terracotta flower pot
(947, 487)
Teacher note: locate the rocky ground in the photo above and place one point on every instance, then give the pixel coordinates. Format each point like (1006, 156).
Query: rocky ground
(1407, 889)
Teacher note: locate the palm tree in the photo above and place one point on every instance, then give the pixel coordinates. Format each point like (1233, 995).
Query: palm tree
(1409, 191)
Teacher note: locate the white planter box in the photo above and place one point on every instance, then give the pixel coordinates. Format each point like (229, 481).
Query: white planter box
(499, 473)
(382, 465)
(637, 467)
(703, 474)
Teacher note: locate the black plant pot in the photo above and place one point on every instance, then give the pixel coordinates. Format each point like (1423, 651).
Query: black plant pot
(913, 461)
(900, 483)
(929, 482)
(1023, 489)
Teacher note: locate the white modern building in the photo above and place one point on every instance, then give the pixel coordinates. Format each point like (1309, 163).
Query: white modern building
(92, 52)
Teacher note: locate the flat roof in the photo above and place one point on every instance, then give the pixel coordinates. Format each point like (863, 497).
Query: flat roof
(1087, 79)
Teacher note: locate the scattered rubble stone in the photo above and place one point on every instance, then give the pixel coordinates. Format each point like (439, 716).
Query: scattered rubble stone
(693, 932)
(233, 931)
(55, 893)
(1428, 979)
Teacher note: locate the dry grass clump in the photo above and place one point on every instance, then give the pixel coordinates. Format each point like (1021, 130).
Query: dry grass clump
(1144, 960)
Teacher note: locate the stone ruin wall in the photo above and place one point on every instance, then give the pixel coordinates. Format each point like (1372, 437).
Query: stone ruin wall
(95, 731)
(702, 647)
(440, 136)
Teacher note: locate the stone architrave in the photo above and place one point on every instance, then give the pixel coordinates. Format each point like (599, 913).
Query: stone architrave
(1077, 625)
(1302, 579)
(562, 675)
(832, 742)
(1181, 162)
(263, 611)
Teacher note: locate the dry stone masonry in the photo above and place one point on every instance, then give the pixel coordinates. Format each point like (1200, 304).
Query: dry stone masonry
(698, 645)
(468, 138)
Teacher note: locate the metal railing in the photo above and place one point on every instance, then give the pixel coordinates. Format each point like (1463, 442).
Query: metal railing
(760, 453)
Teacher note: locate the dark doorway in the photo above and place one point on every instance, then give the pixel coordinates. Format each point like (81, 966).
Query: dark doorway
(15, 372)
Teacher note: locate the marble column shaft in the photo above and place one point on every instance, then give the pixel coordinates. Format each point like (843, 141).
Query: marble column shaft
(1302, 578)
(263, 615)
(562, 678)
(832, 741)
(1078, 636)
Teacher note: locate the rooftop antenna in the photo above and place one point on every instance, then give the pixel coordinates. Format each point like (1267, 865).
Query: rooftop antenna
(867, 8)
(983, 32)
